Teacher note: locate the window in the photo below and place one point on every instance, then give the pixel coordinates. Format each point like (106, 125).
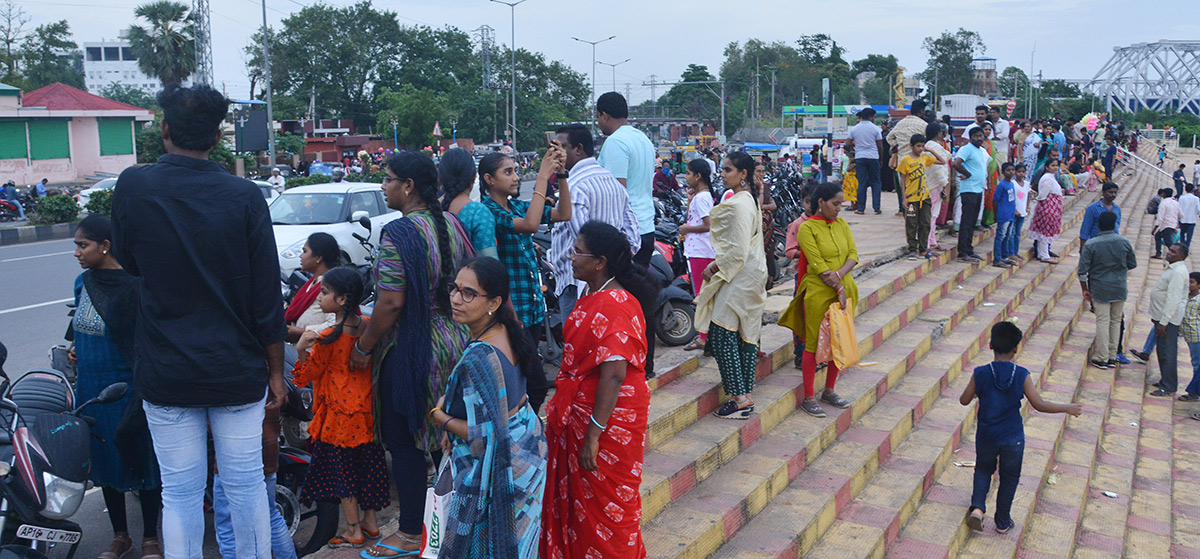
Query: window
(116, 137)
(12, 140)
(112, 53)
(93, 54)
(364, 202)
(48, 139)
(127, 54)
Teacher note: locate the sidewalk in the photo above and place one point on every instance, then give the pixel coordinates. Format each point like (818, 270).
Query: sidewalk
(20, 232)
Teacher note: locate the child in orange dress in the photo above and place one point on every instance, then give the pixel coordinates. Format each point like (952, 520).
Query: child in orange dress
(347, 464)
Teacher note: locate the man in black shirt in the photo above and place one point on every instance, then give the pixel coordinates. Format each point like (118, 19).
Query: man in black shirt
(210, 330)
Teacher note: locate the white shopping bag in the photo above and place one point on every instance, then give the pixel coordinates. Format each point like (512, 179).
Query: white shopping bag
(437, 505)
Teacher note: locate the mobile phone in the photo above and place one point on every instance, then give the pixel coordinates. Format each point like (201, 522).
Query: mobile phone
(550, 138)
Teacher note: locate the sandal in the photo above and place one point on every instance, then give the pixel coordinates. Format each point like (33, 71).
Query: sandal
(341, 541)
(694, 345)
(151, 549)
(1195, 416)
(811, 407)
(1189, 398)
(1160, 392)
(975, 520)
(834, 400)
(371, 535)
(125, 543)
(370, 553)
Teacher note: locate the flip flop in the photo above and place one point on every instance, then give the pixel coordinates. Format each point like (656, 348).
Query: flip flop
(694, 345)
(371, 535)
(340, 542)
(366, 553)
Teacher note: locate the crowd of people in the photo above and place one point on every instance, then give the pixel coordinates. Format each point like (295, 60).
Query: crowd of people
(180, 296)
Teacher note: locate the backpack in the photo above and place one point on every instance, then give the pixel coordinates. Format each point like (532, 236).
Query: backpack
(1152, 207)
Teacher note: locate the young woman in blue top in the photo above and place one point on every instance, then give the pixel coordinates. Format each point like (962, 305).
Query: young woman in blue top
(1000, 429)
(456, 175)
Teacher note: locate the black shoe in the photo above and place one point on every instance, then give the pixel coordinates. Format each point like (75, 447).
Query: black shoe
(1140, 355)
(730, 410)
(1099, 364)
(1052, 254)
(1112, 363)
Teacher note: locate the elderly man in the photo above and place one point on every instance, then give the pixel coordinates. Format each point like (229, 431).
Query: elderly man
(1104, 265)
(1167, 305)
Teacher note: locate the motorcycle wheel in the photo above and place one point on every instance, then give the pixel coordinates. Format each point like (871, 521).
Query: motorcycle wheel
(676, 325)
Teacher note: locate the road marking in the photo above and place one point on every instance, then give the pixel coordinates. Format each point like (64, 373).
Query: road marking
(46, 304)
(15, 245)
(37, 256)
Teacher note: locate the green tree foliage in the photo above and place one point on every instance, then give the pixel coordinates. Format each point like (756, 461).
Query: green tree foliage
(877, 91)
(292, 144)
(693, 100)
(950, 56)
(414, 111)
(129, 95)
(165, 48)
(148, 140)
(13, 22)
(1014, 84)
(882, 65)
(100, 203)
(1059, 89)
(50, 56)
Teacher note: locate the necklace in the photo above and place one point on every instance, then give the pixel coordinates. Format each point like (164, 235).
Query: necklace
(487, 336)
(589, 288)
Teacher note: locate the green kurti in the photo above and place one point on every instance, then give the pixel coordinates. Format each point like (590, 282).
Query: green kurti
(827, 246)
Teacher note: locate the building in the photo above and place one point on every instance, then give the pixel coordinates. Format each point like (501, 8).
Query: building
(986, 83)
(109, 62)
(64, 134)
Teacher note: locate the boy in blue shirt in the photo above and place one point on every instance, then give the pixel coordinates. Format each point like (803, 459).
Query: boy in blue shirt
(1000, 429)
(1005, 202)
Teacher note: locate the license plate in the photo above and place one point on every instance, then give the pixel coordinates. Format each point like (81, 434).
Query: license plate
(29, 532)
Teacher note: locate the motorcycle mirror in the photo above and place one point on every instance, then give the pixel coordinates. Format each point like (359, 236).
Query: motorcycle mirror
(364, 221)
(112, 393)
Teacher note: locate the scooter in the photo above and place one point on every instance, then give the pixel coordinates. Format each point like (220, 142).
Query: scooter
(44, 462)
(675, 319)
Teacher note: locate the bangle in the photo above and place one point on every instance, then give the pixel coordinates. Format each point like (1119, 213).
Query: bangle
(448, 420)
(539, 194)
(435, 409)
(597, 423)
(359, 349)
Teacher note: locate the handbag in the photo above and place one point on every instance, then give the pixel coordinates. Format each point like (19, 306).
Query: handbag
(843, 340)
(437, 506)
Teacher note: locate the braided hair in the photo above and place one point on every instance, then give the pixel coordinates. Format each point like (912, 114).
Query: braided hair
(343, 280)
(420, 169)
(604, 240)
(743, 162)
(456, 172)
(493, 279)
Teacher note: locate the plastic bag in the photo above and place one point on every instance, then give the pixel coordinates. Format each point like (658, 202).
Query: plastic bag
(437, 504)
(824, 351)
(843, 341)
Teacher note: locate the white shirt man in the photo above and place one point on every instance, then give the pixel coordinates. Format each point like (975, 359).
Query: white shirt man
(1001, 129)
(277, 181)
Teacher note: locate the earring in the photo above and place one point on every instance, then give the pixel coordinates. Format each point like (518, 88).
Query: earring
(104, 252)
(489, 313)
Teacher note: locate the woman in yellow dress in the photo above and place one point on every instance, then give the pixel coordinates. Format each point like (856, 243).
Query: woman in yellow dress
(849, 176)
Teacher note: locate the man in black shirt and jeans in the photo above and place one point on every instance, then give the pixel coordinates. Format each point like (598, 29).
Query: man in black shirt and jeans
(210, 330)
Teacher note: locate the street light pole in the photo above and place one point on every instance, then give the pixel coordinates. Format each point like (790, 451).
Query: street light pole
(614, 65)
(593, 100)
(395, 133)
(270, 94)
(513, 48)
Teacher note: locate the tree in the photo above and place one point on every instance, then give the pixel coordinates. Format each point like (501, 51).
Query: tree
(291, 144)
(414, 110)
(129, 95)
(1014, 83)
(693, 100)
(883, 65)
(877, 91)
(12, 32)
(819, 49)
(166, 48)
(950, 57)
(48, 57)
(1059, 89)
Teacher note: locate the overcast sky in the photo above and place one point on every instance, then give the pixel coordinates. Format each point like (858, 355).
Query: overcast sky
(1074, 37)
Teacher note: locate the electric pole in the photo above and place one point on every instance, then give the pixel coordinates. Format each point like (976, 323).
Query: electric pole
(270, 95)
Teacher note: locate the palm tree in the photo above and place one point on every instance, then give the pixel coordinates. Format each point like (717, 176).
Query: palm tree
(166, 49)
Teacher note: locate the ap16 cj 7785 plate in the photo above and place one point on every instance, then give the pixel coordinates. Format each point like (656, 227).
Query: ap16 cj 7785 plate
(29, 532)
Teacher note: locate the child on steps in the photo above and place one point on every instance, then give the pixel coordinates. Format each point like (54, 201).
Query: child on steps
(1000, 429)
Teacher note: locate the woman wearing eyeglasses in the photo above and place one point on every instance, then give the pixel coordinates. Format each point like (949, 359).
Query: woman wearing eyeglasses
(494, 439)
(596, 422)
(411, 336)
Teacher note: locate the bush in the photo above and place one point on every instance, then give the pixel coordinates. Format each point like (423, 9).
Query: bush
(57, 209)
(100, 203)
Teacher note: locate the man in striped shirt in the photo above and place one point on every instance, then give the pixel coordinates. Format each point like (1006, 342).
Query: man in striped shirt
(595, 195)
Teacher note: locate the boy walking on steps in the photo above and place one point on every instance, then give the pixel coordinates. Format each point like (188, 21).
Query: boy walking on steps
(1000, 429)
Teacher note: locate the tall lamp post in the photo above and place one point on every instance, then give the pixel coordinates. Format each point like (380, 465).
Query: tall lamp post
(593, 100)
(395, 133)
(270, 94)
(454, 130)
(614, 65)
(513, 48)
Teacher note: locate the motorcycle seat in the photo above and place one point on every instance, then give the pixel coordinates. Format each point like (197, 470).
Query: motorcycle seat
(39, 393)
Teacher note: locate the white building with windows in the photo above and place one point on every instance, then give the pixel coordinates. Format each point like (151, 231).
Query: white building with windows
(108, 62)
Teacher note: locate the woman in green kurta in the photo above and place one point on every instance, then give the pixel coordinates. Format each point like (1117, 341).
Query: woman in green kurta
(829, 247)
(730, 305)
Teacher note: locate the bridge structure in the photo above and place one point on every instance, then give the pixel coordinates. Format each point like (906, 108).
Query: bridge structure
(1156, 76)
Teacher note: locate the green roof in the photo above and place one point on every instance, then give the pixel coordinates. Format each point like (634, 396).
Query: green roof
(8, 90)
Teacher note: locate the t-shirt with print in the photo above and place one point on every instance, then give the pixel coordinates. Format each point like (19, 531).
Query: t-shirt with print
(699, 245)
(1021, 191)
(1005, 199)
(916, 188)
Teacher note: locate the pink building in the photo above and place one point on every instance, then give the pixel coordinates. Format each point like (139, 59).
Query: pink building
(63, 134)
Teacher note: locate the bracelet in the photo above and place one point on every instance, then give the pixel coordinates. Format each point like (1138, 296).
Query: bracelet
(435, 408)
(540, 194)
(597, 423)
(447, 423)
(359, 349)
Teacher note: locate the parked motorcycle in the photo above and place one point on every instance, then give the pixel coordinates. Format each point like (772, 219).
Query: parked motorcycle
(44, 462)
(675, 319)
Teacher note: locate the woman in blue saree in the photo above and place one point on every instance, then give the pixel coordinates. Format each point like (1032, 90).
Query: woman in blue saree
(495, 441)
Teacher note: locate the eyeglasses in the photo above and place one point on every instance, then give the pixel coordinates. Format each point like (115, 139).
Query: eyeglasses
(466, 293)
(575, 253)
(389, 179)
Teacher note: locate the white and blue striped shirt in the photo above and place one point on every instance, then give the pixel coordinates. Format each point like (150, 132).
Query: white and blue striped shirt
(595, 195)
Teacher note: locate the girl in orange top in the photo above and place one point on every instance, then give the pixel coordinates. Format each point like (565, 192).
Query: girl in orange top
(347, 464)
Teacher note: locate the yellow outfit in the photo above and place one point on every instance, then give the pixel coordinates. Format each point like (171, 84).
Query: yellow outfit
(916, 186)
(850, 185)
(736, 295)
(827, 246)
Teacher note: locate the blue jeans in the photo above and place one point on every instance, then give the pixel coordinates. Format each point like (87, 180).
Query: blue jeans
(1185, 233)
(1151, 340)
(1000, 246)
(181, 443)
(282, 545)
(868, 178)
(1014, 239)
(1009, 457)
(1194, 386)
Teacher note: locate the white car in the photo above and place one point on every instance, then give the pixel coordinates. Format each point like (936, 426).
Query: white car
(86, 194)
(333, 208)
(267, 190)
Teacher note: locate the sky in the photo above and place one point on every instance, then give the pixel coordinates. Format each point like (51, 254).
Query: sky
(1074, 38)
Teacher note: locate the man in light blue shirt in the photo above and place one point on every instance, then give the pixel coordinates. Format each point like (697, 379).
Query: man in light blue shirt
(628, 154)
(971, 163)
(868, 144)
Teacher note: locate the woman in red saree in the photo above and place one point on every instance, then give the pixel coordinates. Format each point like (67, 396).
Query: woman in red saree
(596, 422)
